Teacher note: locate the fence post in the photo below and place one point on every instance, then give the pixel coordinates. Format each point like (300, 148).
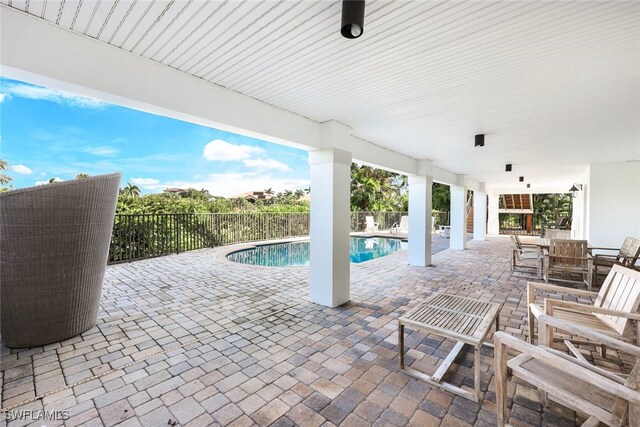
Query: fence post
(175, 224)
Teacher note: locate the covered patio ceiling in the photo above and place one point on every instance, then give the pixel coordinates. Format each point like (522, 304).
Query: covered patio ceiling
(555, 86)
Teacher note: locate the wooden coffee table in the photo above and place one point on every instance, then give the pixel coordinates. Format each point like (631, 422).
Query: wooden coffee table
(464, 319)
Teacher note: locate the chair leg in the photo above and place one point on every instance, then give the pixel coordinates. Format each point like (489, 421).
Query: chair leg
(530, 319)
(500, 360)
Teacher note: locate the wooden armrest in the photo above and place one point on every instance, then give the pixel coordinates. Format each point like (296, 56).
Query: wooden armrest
(606, 249)
(533, 286)
(542, 354)
(536, 310)
(582, 258)
(552, 303)
(588, 333)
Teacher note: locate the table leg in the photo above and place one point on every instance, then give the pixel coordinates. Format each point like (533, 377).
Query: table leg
(476, 372)
(401, 344)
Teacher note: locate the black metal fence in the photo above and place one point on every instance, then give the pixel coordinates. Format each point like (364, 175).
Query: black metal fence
(527, 224)
(138, 236)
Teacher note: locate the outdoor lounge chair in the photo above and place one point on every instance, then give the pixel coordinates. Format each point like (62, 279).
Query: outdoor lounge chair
(54, 251)
(523, 255)
(572, 382)
(403, 227)
(569, 256)
(371, 225)
(627, 256)
(614, 307)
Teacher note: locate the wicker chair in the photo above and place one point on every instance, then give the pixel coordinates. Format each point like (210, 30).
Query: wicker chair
(54, 250)
(627, 256)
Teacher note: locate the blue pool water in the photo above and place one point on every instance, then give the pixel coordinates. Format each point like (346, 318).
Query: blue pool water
(297, 253)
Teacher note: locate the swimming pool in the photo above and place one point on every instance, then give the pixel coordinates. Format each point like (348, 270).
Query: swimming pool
(297, 253)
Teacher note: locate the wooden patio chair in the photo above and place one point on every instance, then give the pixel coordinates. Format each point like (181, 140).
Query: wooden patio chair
(627, 256)
(603, 396)
(614, 308)
(569, 256)
(523, 255)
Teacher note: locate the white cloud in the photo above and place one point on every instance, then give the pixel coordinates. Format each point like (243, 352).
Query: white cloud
(3, 96)
(225, 152)
(53, 95)
(21, 169)
(102, 151)
(266, 164)
(149, 183)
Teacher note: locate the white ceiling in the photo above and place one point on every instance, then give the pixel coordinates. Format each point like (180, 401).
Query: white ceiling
(554, 85)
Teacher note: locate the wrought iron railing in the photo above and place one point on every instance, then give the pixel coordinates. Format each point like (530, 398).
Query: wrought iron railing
(527, 224)
(139, 236)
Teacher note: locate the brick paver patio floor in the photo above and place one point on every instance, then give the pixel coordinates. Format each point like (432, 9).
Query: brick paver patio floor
(196, 340)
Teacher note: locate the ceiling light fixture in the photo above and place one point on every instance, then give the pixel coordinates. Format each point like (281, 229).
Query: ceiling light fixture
(521, 179)
(352, 18)
(507, 167)
(574, 190)
(480, 140)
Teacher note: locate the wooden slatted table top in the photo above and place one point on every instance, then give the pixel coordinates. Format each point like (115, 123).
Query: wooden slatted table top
(463, 318)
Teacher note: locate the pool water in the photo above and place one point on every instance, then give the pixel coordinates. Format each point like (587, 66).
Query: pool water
(297, 253)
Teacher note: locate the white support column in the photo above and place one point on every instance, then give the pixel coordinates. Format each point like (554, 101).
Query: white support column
(479, 215)
(420, 189)
(458, 217)
(330, 226)
(494, 220)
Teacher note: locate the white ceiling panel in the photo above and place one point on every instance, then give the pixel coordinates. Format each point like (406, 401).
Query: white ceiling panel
(555, 85)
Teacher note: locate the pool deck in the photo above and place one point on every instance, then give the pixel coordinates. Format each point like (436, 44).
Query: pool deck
(192, 340)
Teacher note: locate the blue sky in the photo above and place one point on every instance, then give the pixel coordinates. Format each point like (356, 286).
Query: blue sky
(47, 133)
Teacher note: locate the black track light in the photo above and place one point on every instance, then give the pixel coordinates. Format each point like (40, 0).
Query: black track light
(352, 18)
(521, 179)
(480, 140)
(507, 167)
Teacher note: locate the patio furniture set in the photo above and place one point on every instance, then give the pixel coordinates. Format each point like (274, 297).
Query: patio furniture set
(566, 378)
(559, 258)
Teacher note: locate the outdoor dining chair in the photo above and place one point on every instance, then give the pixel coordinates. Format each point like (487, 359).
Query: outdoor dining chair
(612, 311)
(569, 257)
(523, 255)
(572, 382)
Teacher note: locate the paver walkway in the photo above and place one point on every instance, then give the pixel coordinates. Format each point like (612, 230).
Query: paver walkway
(197, 340)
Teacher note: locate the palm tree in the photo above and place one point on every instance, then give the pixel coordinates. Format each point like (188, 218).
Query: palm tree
(4, 179)
(131, 190)
(52, 180)
(82, 175)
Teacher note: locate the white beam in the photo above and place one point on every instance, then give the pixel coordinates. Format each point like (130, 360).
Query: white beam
(420, 188)
(330, 226)
(39, 52)
(479, 215)
(493, 225)
(458, 217)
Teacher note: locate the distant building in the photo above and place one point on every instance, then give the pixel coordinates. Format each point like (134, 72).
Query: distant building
(178, 191)
(254, 196)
